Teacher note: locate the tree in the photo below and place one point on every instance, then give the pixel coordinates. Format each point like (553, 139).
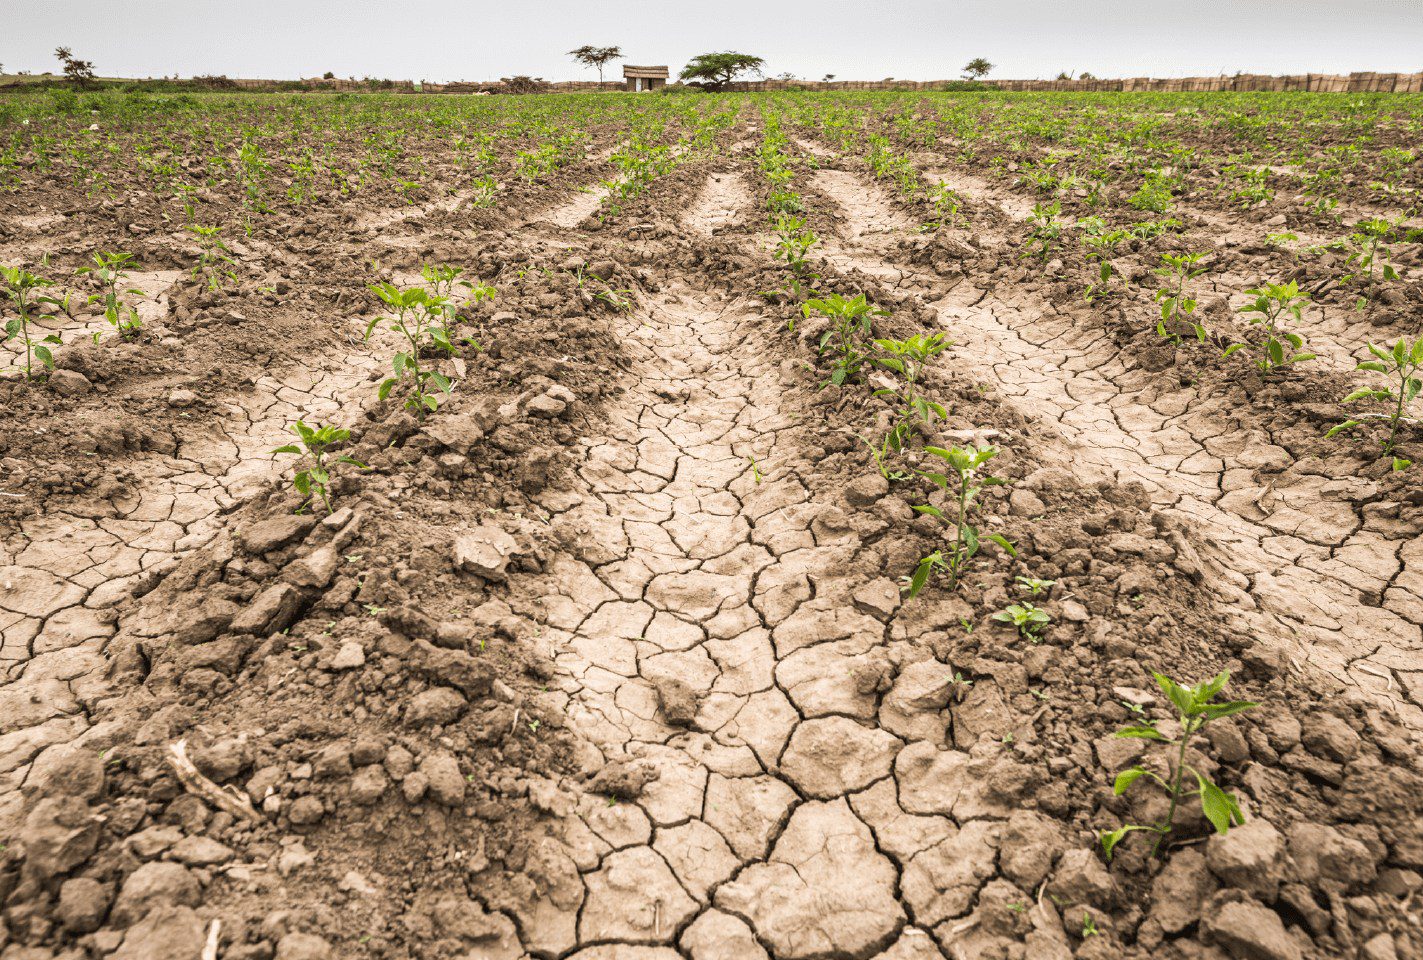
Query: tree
(79, 72)
(591, 56)
(716, 70)
(976, 68)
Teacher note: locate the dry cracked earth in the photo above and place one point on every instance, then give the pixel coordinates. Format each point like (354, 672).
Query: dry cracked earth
(608, 658)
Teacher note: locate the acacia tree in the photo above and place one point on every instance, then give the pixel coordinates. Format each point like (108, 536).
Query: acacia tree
(716, 70)
(79, 72)
(599, 57)
(976, 68)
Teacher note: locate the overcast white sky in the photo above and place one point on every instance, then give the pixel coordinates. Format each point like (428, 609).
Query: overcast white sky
(440, 40)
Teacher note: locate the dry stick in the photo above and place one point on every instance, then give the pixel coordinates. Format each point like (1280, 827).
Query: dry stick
(224, 798)
(210, 947)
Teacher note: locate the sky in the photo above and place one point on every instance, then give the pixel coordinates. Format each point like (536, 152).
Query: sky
(442, 40)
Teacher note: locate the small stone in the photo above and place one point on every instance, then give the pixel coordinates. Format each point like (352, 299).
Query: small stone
(201, 852)
(879, 598)
(1025, 503)
(1081, 878)
(1327, 736)
(1380, 947)
(314, 570)
(414, 786)
(1320, 852)
(1248, 857)
(442, 772)
(866, 490)
(398, 762)
(274, 533)
(1249, 931)
(271, 611)
(147, 844)
(306, 811)
(547, 407)
(437, 706)
(303, 946)
(679, 700)
(70, 383)
(159, 883)
(83, 904)
(182, 398)
(368, 785)
(293, 858)
(168, 933)
(484, 552)
(350, 656)
(223, 759)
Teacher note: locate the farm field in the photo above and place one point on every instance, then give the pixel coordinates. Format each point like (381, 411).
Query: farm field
(745, 528)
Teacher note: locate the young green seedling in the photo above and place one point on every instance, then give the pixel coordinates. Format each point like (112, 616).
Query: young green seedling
(1045, 233)
(1034, 586)
(19, 286)
(1177, 306)
(1028, 619)
(418, 316)
(963, 483)
(850, 324)
(1196, 708)
(1402, 364)
(1101, 246)
(108, 269)
(1282, 347)
(315, 442)
(908, 358)
(214, 258)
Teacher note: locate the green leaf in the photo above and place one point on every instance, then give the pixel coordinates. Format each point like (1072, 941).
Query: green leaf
(1141, 733)
(1177, 694)
(1110, 839)
(1214, 711)
(1219, 807)
(1003, 542)
(1126, 778)
(289, 448)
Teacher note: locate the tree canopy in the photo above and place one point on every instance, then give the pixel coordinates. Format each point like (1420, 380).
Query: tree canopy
(976, 68)
(716, 70)
(80, 72)
(599, 57)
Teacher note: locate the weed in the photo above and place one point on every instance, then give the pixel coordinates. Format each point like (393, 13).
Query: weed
(1196, 709)
(1034, 586)
(964, 485)
(108, 269)
(19, 285)
(1402, 363)
(1026, 618)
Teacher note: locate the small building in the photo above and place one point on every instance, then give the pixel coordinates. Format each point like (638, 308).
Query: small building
(644, 78)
